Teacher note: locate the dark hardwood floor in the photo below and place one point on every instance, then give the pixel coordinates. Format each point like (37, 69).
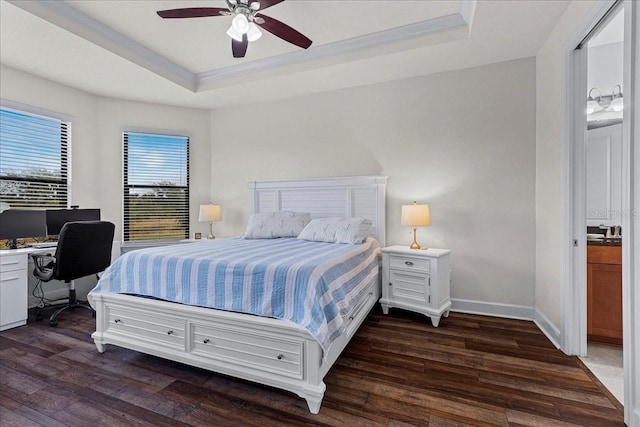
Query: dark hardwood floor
(397, 371)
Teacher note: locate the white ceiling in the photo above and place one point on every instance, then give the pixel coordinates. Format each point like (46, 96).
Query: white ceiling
(121, 48)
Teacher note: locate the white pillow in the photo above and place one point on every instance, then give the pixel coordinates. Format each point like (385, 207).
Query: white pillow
(336, 230)
(270, 225)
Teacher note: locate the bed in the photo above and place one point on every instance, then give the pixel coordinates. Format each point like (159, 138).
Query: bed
(276, 349)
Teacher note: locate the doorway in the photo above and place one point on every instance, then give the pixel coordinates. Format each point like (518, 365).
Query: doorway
(603, 173)
(574, 331)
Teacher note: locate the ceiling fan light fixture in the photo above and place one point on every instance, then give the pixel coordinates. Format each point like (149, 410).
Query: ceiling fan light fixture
(253, 33)
(231, 32)
(240, 23)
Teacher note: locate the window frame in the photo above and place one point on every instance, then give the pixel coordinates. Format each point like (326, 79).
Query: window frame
(126, 210)
(65, 150)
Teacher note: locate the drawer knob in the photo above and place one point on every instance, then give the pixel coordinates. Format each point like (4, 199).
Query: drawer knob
(206, 341)
(280, 356)
(409, 263)
(169, 332)
(117, 321)
(350, 318)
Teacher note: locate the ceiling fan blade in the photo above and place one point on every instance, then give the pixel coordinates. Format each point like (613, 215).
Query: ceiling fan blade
(266, 3)
(192, 12)
(239, 49)
(285, 32)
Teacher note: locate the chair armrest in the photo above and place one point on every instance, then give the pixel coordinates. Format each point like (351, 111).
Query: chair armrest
(43, 266)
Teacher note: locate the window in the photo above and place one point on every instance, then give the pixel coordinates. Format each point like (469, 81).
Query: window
(33, 160)
(156, 186)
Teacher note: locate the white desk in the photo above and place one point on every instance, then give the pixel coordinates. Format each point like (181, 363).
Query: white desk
(14, 285)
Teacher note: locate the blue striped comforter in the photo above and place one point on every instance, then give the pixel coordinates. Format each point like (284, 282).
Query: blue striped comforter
(309, 283)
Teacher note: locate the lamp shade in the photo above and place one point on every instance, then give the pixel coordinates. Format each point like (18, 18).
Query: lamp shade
(415, 215)
(210, 213)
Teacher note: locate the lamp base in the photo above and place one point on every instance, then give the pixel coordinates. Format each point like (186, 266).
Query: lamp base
(414, 244)
(211, 236)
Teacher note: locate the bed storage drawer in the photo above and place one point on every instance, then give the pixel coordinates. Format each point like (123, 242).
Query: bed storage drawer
(251, 348)
(148, 326)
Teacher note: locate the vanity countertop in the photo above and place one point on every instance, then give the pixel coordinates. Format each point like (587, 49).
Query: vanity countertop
(605, 242)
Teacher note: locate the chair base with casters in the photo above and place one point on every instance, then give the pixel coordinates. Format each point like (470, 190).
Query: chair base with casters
(72, 304)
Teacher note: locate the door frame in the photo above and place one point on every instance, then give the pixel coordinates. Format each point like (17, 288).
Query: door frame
(574, 336)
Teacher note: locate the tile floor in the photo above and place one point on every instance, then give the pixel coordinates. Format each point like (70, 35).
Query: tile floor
(605, 361)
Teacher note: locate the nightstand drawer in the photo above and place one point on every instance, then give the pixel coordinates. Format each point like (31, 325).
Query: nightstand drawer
(409, 263)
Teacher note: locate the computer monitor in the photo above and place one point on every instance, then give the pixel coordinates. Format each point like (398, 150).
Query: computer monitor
(20, 224)
(56, 218)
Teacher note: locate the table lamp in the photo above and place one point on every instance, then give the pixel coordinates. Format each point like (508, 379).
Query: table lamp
(210, 213)
(415, 216)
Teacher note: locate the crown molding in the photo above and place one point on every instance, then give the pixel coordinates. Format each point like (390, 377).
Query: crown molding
(65, 16)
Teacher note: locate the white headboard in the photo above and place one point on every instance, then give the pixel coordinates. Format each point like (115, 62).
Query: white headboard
(349, 196)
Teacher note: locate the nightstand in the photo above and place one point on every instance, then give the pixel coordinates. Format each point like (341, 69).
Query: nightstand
(416, 280)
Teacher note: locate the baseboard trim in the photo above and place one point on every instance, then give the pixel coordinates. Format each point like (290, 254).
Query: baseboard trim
(511, 311)
(547, 328)
(495, 309)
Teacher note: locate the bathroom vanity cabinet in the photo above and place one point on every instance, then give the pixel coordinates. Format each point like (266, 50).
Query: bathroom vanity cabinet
(604, 293)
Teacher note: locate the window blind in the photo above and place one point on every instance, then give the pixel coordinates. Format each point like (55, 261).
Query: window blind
(156, 187)
(33, 160)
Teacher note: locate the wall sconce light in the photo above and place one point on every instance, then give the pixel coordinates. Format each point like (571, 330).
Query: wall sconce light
(415, 216)
(611, 102)
(210, 213)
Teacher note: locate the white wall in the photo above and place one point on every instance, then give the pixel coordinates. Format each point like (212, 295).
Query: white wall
(97, 139)
(604, 67)
(549, 128)
(463, 141)
(96, 154)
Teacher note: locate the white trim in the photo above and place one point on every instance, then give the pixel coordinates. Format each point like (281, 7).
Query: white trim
(496, 309)
(429, 27)
(509, 311)
(67, 17)
(159, 132)
(25, 108)
(550, 330)
(631, 222)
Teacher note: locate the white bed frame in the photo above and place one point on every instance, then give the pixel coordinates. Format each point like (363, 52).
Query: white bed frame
(264, 350)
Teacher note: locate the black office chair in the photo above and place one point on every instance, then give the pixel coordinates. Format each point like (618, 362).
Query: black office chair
(84, 248)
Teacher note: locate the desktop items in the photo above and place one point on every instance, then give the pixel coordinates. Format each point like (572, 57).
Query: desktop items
(56, 218)
(21, 223)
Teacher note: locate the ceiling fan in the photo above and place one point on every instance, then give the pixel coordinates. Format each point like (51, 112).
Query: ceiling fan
(246, 19)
